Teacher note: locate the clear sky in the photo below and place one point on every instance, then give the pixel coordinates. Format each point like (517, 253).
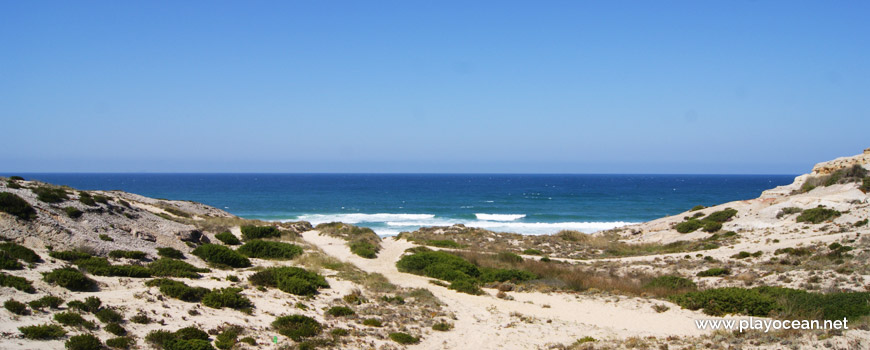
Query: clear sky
(432, 86)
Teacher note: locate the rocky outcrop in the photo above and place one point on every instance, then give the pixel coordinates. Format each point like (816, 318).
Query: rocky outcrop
(829, 167)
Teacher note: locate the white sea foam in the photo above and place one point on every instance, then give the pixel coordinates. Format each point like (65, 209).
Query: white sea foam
(499, 217)
(316, 219)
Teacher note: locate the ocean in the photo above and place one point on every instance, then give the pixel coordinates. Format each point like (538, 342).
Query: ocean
(393, 203)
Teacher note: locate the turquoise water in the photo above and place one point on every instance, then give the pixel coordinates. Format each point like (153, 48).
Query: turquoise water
(392, 203)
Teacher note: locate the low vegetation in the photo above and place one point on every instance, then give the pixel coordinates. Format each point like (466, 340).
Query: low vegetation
(49, 194)
(293, 280)
(362, 241)
(228, 238)
(404, 338)
(47, 301)
(817, 215)
(73, 319)
(220, 255)
(83, 342)
(227, 297)
(711, 223)
(73, 212)
(166, 267)
(16, 206)
(250, 232)
(19, 283)
(778, 302)
(128, 254)
(16, 307)
(71, 279)
(42, 332)
(855, 173)
(297, 327)
(270, 250)
(170, 253)
(178, 290)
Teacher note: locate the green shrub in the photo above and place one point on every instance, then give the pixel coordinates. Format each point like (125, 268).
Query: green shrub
(467, 286)
(817, 215)
(721, 216)
(101, 267)
(338, 311)
(9, 263)
(444, 243)
(404, 338)
(250, 232)
(865, 184)
(69, 255)
(19, 283)
(697, 207)
(73, 319)
(83, 342)
(20, 252)
(115, 329)
(373, 322)
(292, 280)
(50, 194)
(248, 340)
(86, 199)
(16, 178)
(531, 251)
(15, 307)
(109, 315)
(129, 254)
(191, 333)
(364, 249)
(712, 226)
(788, 211)
(504, 275)
(141, 318)
(688, 226)
(106, 238)
(42, 332)
(12, 184)
(159, 337)
(221, 255)
(731, 300)
(171, 253)
(297, 327)
(178, 290)
(715, 271)
(339, 332)
(46, 301)
(90, 304)
(228, 238)
(442, 326)
(226, 339)
(437, 264)
(174, 268)
(508, 257)
(16, 206)
(671, 283)
(226, 297)
(270, 250)
(72, 212)
(121, 342)
(802, 251)
(741, 255)
(71, 279)
(860, 223)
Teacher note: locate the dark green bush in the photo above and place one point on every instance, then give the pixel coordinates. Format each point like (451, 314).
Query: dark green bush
(46, 301)
(226, 297)
(72, 212)
(16, 307)
(42, 332)
(364, 249)
(12, 184)
(191, 333)
(788, 211)
(437, 264)
(221, 255)
(373, 322)
(16, 178)
(817, 215)
(73, 319)
(20, 252)
(865, 184)
(297, 327)
(174, 268)
(722, 301)
(121, 342)
(688, 226)
(9, 263)
(671, 282)
(444, 243)
(468, 286)
(71, 279)
(442, 326)
(270, 250)
(250, 232)
(509, 257)
(86, 199)
(531, 251)
(715, 271)
(802, 251)
(721, 216)
(697, 207)
(228, 238)
(109, 315)
(712, 226)
(292, 280)
(741, 255)
(69, 255)
(404, 338)
(102, 267)
(178, 290)
(503, 275)
(226, 339)
(339, 311)
(171, 253)
(140, 318)
(83, 342)
(50, 194)
(159, 337)
(115, 329)
(129, 254)
(105, 237)
(16, 206)
(16, 282)
(193, 344)
(90, 304)
(860, 223)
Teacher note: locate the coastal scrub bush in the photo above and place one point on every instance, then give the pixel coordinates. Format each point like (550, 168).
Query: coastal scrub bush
(721, 215)
(466, 285)
(15, 307)
(226, 297)
(531, 251)
(50, 194)
(503, 275)
(293, 280)
(86, 199)
(107, 238)
(19, 283)
(171, 253)
(72, 212)
(865, 184)
(270, 250)
(166, 267)
(444, 243)
(109, 315)
(20, 252)
(712, 226)
(228, 238)
(71, 279)
(16, 178)
(73, 319)
(688, 226)
(120, 342)
(801, 251)
(860, 223)
(741, 255)
(42, 332)
(364, 249)
(715, 271)
(362, 241)
(13, 204)
(817, 215)
(193, 344)
(788, 211)
(159, 338)
(9, 263)
(508, 257)
(191, 333)
(442, 326)
(671, 283)
(227, 339)
(338, 311)
(46, 301)
(90, 304)
(101, 267)
(115, 329)
(12, 184)
(404, 338)
(437, 264)
(730, 300)
(69, 255)
(178, 290)
(129, 254)
(373, 322)
(221, 255)
(697, 207)
(83, 342)
(250, 232)
(297, 327)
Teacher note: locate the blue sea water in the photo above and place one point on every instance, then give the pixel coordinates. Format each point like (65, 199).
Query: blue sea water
(392, 203)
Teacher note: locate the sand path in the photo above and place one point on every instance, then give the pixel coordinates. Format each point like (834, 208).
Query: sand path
(486, 322)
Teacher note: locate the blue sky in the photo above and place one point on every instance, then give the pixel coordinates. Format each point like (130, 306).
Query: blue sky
(432, 86)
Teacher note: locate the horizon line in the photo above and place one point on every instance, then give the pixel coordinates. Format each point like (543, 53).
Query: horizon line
(7, 174)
